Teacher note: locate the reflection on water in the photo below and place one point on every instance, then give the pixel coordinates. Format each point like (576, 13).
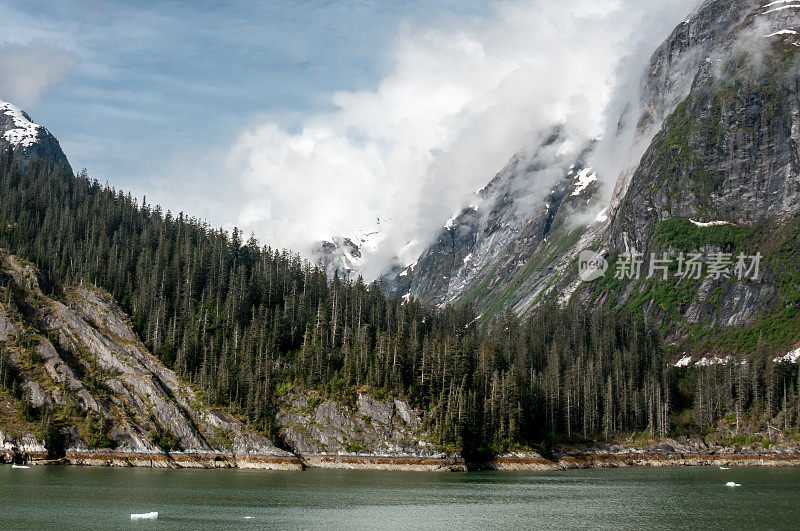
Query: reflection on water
(666, 498)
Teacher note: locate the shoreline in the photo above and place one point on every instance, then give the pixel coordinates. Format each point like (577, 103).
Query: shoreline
(524, 463)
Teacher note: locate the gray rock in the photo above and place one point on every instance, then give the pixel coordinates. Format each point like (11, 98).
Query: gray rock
(387, 428)
(28, 142)
(137, 396)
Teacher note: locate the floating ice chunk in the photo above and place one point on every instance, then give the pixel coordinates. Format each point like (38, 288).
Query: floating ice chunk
(144, 516)
(732, 484)
(19, 466)
(724, 468)
(248, 517)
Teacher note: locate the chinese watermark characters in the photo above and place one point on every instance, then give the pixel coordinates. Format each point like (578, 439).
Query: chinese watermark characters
(661, 267)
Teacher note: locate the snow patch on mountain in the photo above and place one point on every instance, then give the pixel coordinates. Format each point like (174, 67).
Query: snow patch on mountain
(24, 133)
(584, 178)
(793, 6)
(781, 32)
(790, 357)
(709, 223)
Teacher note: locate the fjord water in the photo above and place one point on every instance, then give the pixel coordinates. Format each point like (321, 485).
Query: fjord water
(92, 498)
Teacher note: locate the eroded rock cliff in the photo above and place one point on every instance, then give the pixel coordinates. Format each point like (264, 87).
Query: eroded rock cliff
(79, 386)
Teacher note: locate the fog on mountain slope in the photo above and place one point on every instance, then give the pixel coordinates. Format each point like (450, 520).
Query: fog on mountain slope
(462, 96)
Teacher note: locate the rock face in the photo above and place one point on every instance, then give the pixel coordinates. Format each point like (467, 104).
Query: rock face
(370, 434)
(484, 254)
(78, 386)
(729, 150)
(346, 255)
(80, 355)
(714, 141)
(28, 141)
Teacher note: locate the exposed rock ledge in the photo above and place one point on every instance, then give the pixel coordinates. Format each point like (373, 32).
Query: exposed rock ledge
(664, 453)
(379, 462)
(630, 460)
(180, 460)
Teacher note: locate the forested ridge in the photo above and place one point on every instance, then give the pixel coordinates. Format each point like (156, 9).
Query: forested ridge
(246, 324)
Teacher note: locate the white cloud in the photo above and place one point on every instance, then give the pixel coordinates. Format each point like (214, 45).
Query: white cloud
(27, 71)
(460, 98)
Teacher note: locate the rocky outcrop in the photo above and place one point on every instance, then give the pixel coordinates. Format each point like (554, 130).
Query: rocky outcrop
(80, 353)
(29, 142)
(372, 433)
(663, 453)
(485, 254)
(714, 141)
(729, 152)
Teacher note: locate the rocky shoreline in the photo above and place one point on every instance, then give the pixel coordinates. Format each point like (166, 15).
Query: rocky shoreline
(638, 460)
(527, 462)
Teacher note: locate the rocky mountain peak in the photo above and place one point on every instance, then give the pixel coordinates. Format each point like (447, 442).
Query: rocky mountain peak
(27, 140)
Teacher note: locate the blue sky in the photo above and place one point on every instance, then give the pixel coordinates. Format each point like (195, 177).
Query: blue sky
(158, 83)
(304, 120)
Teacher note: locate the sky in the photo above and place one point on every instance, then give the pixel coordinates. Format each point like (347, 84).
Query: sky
(301, 120)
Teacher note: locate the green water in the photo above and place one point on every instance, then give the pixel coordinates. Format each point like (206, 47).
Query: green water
(95, 498)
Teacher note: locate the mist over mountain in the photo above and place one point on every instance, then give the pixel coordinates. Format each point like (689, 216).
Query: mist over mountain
(131, 335)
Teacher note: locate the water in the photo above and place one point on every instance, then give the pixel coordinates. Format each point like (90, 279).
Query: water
(667, 498)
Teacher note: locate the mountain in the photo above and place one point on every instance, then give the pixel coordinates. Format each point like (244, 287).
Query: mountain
(440, 375)
(345, 255)
(79, 385)
(487, 252)
(713, 140)
(27, 141)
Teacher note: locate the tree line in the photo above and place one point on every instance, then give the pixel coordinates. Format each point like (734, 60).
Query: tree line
(246, 323)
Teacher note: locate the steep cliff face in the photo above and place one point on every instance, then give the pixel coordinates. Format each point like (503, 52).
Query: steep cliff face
(729, 150)
(714, 156)
(722, 177)
(27, 141)
(484, 254)
(78, 385)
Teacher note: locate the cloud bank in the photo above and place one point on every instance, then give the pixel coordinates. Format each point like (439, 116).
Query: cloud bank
(28, 71)
(460, 97)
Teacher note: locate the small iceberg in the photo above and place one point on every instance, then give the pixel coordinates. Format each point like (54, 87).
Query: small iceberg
(144, 516)
(724, 468)
(20, 466)
(732, 484)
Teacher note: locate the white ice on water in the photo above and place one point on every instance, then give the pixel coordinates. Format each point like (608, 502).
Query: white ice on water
(732, 484)
(144, 516)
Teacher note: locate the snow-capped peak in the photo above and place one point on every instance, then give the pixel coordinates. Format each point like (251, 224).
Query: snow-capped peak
(24, 133)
